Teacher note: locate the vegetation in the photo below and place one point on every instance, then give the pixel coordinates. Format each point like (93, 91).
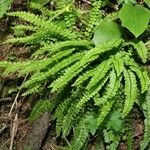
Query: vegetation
(92, 63)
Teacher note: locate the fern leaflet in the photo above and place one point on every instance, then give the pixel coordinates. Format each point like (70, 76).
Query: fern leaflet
(130, 91)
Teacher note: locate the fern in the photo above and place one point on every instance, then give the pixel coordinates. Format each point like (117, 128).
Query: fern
(91, 80)
(111, 16)
(61, 4)
(146, 140)
(101, 71)
(45, 12)
(81, 134)
(130, 91)
(111, 138)
(118, 63)
(129, 133)
(70, 20)
(43, 24)
(93, 18)
(104, 112)
(85, 76)
(31, 66)
(141, 50)
(34, 89)
(140, 72)
(55, 47)
(69, 118)
(61, 109)
(79, 66)
(24, 28)
(111, 90)
(4, 6)
(42, 76)
(87, 96)
(41, 106)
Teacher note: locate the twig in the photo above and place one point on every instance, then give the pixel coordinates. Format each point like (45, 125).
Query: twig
(3, 128)
(15, 123)
(14, 131)
(12, 107)
(14, 103)
(5, 99)
(86, 1)
(6, 118)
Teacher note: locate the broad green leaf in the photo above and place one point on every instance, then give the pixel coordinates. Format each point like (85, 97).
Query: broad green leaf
(135, 18)
(147, 2)
(107, 30)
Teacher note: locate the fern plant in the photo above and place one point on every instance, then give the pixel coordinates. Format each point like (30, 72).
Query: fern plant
(4, 6)
(88, 79)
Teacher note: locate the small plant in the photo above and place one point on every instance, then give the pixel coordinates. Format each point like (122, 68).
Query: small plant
(95, 71)
(4, 6)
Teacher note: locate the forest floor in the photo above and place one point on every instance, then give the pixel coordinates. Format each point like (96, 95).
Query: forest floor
(15, 109)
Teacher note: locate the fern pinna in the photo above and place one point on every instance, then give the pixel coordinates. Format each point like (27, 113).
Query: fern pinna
(89, 80)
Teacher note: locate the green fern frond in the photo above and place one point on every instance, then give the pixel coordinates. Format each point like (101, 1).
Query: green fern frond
(112, 138)
(36, 20)
(146, 109)
(4, 6)
(81, 132)
(90, 56)
(43, 64)
(35, 38)
(93, 18)
(111, 16)
(118, 63)
(99, 73)
(70, 20)
(45, 11)
(141, 50)
(59, 114)
(61, 4)
(129, 133)
(43, 24)
(141, 73)
(85, 76)
(14, 67)
(111, 90)
(104, 111)
(88, 95)
(41, 107)
(36, 65)
(24, 28)
(130, 91)
(62, 11)
(5, 64)
(68, 118)
(143, 76)
(32, 90)
(54, 47)
(67, 114)
(42, 76)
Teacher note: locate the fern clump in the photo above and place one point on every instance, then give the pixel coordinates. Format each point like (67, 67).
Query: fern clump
(4, 6)
(91, 78)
